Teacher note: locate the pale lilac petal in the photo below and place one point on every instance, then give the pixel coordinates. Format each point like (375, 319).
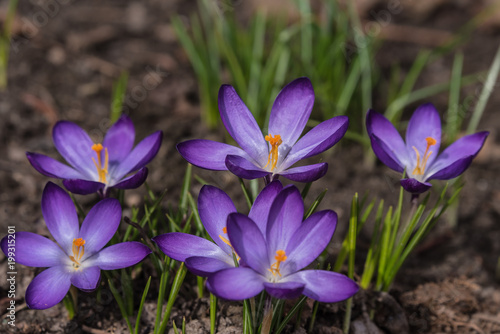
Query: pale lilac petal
(456, 158)
(205, 266)
(241, 124)
(32, 250)
(86, 279)
(285, 290)
(285, 217)
(208, 154)
(248, 242)
(83, 187)
(415, 187)
(140, 156)
(387, 143)
(133, 181)
(291, 110)
(236, 283)
(243, 168)
(309, 241)
(60, 216)
(307, 173)
(325, 286)
(48, 288)
(119, 139)
(259, 212)
(214, 206)
(75, 146)
(424, 122)
(180, 246)
(317, 140)
(100, 225)
(121, 255)
(51, 167)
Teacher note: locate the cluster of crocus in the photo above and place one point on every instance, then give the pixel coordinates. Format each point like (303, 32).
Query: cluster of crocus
(78, 256)
(97, 167)
(419, 157)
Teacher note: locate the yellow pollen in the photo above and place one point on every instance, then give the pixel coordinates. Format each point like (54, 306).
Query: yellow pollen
(102, 170)
(275, 267)
(78, 251)
(273, 154)
(224, 230)
(420, 169)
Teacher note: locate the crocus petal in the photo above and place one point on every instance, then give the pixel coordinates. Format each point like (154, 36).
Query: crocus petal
(75, 146)
(86, 279)
(48, 288)
(260, 209)
(133, 181)
(291, 110)
(180, 246)
(285, 290)
(117, 256)
(51, 167)
(456, 158)
(32, 250)
(241, 124)
(285, 217)
(307, 173)
(99, 225)
(140, 156)
(309, 240)
(205, 266)
(243, 168)
(318, 139)
(60, 215)
(235, 283)
(214, 206)
(207, 153)
(424, 122)
(248, 242)
(83, 187)
(415, 187)
(119, 139)
(387, 143)
(325, 286)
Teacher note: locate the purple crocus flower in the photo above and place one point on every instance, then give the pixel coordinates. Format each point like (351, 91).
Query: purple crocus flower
(419, 155)
(96, 167)
(274, 252)
(203, 257)
(79, 257)
(271, 155)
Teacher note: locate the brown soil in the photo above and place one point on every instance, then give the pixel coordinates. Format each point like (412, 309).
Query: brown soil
(64, 60)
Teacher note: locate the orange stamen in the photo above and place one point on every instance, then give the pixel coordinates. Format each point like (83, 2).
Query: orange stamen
(102, 170)
(78, 251)
(273, 153)
(421, 164)
(224, 230)
(275, 267)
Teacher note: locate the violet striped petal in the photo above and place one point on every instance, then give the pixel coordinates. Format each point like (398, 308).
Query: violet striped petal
(241, 124)
(75, 146)
(100, 225)
(291, 110)
(415, 187)
(119, 139)
(208, 154)
(214, 206)
(325, 286)
(51, 167)
(133, 181)
(307, 173)
(285, 290)
(60, 215)
(259, 212)
(243, 168)
(121, 255)
(32, 250)
(236, 283)
(86, 279)
(83, 187)
(48, 288)
(206, 266)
